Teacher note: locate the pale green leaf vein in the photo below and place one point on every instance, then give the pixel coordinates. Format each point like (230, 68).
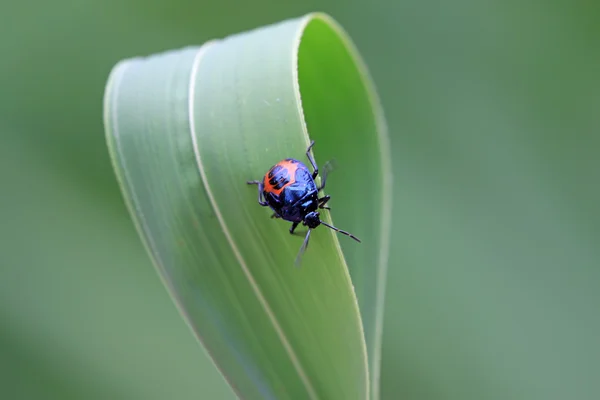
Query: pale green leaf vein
(131, 199)
(262, 300)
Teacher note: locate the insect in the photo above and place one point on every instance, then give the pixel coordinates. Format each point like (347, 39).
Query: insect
(290, 190)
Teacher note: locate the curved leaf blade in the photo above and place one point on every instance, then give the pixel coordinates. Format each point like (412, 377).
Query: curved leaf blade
(356, 137)
(186, 129)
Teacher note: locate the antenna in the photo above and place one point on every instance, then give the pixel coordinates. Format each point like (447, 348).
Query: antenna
(341, 231)
(303, 248)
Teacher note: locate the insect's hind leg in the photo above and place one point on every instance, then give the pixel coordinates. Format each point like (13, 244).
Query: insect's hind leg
(261, 199)
(312, 160)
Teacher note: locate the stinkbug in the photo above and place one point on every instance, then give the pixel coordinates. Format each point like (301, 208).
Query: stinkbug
(290, 190)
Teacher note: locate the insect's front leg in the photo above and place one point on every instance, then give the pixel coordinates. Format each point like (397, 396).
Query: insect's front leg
(323, 200)
(293, 228)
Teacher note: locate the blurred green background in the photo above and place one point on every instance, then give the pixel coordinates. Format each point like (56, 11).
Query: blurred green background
(494, 281)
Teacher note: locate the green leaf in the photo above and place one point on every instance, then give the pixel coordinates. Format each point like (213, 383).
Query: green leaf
(186, 129)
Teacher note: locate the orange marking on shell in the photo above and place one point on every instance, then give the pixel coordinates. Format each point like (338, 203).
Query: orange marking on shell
(277, 187)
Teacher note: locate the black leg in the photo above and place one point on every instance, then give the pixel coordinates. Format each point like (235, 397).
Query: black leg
(275, 215)
(323, 200)
(312, 160)
(261, 199)
(293, 228)
(327, 168)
